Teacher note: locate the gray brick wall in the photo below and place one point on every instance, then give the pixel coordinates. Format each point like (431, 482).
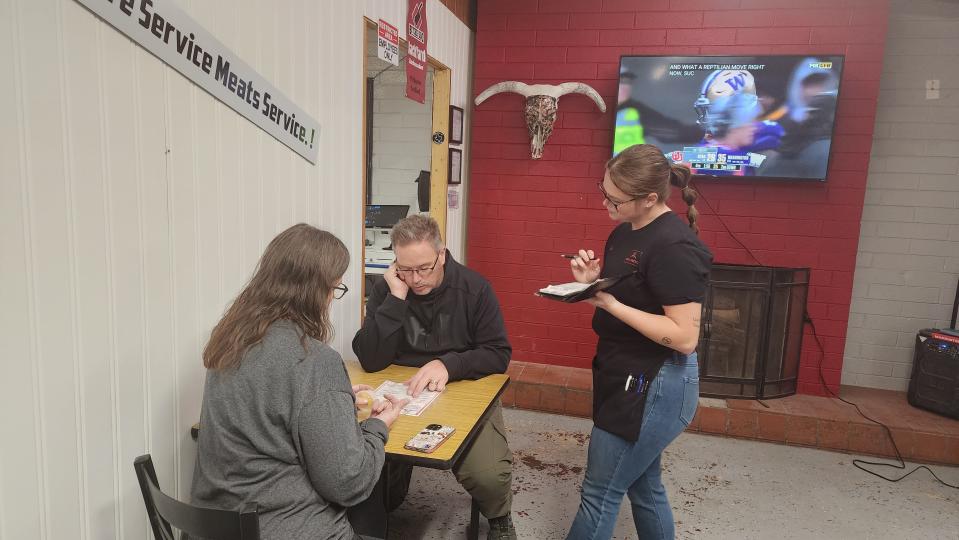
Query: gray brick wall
(908, 261)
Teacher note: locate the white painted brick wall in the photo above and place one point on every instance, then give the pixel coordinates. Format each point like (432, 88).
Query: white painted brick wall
(908, 261)
(401, 139)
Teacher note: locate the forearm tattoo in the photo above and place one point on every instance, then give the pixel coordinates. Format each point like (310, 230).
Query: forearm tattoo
(666, 341)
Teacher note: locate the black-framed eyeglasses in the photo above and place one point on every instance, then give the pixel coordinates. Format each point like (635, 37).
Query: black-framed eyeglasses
(340, 291)
(611, 201)
(407, 273)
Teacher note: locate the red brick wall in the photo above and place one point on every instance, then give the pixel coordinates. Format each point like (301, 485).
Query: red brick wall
(523, 213)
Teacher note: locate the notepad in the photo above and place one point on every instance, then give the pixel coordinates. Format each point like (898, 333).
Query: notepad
(566, 289)
(576, 291)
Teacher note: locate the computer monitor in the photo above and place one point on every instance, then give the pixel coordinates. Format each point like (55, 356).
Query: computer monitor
(385, 215)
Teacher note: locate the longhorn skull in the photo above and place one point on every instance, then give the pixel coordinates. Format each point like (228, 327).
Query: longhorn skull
(542, 101)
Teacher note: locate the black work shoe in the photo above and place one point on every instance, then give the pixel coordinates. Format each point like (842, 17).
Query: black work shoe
(501, 528)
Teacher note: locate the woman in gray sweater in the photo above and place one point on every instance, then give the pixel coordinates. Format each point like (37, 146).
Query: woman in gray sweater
(278, 424)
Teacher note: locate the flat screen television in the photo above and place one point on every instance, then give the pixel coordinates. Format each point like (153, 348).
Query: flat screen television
(766, 117)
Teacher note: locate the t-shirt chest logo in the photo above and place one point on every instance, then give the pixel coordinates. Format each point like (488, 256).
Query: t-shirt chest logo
(633, 258)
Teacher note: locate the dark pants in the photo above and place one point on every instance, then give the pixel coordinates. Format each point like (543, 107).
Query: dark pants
(485, 471)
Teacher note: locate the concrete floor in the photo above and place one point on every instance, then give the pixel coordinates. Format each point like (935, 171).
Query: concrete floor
(719, 488)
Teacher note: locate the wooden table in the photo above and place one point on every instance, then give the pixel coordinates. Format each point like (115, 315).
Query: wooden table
(464, 405)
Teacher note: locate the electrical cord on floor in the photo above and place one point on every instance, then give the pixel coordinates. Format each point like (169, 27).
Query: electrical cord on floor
(859, 463)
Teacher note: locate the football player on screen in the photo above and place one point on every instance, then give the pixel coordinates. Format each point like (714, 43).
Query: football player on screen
(639, 123)
(809, 114)
(728, 111)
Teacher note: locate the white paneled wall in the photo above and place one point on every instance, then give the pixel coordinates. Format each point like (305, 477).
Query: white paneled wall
(133, 207)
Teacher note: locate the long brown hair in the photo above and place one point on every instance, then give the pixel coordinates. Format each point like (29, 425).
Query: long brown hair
(642, 169)
(292, 281)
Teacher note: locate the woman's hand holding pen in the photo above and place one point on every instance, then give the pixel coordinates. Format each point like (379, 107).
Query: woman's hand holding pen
(585, 266)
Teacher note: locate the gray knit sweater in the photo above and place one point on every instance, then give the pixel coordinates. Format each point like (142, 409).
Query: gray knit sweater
(280, 430)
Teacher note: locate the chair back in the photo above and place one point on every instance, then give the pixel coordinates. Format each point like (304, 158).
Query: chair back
(167, 513)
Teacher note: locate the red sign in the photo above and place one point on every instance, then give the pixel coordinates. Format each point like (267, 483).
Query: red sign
(416, 50)
(388, 43)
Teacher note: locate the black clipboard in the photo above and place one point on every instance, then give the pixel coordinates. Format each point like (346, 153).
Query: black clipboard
(581, 294)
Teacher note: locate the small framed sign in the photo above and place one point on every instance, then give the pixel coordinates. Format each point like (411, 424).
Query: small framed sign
(455, 166)
(387, 42)
(456, 125)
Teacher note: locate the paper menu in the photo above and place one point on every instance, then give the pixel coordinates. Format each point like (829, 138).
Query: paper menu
(416, 406)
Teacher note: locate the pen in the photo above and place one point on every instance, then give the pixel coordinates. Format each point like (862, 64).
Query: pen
(573, 256)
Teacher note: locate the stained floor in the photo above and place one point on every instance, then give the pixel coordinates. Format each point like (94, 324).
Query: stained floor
(719, 488)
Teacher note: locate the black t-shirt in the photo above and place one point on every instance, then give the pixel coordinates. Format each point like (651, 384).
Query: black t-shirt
(670, 266)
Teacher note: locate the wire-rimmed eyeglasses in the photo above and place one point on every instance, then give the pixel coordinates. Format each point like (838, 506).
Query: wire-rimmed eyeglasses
(407, 273)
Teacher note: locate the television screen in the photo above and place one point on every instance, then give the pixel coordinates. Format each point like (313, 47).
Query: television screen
(759, 116)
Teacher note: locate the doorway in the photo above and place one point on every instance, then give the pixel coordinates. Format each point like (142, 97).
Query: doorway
(406, 152)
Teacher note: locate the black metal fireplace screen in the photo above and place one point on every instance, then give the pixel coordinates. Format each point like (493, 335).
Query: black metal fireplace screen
(752, 331)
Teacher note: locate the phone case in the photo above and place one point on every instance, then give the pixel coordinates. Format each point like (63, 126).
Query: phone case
(429, 438)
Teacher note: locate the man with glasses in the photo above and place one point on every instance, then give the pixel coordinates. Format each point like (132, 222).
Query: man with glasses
(433, 313)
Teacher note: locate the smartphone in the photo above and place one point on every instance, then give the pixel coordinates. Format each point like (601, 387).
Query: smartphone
(429, 438)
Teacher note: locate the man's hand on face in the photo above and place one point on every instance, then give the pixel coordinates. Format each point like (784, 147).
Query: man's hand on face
(398, 287)
(432, 376)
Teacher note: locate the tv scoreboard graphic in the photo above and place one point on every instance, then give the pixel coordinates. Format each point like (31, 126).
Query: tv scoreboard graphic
(715, 158)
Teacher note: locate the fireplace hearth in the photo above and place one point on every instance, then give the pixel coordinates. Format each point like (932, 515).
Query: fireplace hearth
(752, 328)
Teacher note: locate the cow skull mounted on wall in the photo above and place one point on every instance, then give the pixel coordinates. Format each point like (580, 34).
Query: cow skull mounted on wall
(542, 101)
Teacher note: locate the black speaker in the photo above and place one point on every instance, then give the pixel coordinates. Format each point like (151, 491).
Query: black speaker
(423, 191)
(934, 385)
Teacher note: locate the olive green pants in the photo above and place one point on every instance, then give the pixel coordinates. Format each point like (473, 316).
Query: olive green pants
(485, 471)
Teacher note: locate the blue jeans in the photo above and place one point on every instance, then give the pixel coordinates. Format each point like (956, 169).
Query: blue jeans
(617, 467)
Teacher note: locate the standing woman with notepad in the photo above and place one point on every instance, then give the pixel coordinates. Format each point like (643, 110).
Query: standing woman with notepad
(645, 373)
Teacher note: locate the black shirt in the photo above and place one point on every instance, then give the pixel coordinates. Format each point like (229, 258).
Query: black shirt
(459, 322)
(670, 266)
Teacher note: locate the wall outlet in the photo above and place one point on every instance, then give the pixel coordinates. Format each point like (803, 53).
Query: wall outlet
(932, 88)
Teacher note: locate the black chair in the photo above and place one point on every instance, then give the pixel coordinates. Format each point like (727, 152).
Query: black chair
(206, 523)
